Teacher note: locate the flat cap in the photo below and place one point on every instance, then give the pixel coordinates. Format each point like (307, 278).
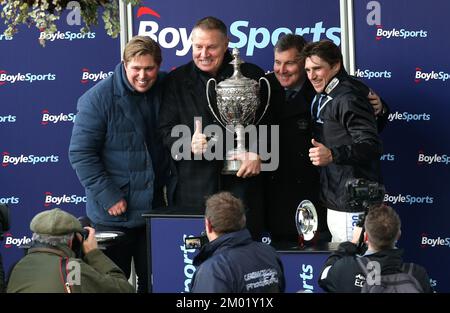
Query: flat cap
(55, 222)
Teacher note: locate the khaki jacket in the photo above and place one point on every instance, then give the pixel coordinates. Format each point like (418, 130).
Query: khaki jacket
(56, 270)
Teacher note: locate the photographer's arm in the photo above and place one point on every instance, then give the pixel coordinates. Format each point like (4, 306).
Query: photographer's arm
(99, 273)
(356, 235)
(329, 276)
(90, 243)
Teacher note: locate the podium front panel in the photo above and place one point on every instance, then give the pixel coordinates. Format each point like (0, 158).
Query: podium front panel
(171, 265)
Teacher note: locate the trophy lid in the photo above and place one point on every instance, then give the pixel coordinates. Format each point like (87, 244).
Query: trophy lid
(237, 80)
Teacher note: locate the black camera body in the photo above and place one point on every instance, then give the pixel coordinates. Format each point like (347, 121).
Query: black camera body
(362, 193)
(196, 242)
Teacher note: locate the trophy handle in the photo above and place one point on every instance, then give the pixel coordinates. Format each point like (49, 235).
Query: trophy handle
(268, 98)
(209, 103)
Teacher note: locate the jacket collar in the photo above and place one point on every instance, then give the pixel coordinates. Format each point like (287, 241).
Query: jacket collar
(61, 250)
(340, 76)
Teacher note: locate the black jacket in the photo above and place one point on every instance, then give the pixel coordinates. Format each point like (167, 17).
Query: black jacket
(235, 263)
(296, 178)
(348, 128)
(185, 98)
(382, 119)
(342, 273)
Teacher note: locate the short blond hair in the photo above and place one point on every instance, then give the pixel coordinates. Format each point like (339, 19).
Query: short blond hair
(142, 45)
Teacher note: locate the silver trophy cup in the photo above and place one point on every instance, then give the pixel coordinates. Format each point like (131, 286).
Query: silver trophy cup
(237, 102)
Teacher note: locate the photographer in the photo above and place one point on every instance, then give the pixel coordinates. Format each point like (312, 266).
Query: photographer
(232, 261)
(343, 271)
(50, 264)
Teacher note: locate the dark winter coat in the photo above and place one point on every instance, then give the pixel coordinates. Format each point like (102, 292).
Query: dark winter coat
(116, 151)
(235, 263)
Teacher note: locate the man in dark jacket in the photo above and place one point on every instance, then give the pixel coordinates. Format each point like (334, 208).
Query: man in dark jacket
(232, 261)
(346, 143)
(342, 272)
(296, 178)
(184, 102)
(51, 266)
(117, 154)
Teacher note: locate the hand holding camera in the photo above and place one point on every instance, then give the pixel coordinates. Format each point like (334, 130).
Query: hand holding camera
(85, 242)
(89, 242)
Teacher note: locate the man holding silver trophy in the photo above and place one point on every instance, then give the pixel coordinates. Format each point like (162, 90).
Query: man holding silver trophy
(190, 108)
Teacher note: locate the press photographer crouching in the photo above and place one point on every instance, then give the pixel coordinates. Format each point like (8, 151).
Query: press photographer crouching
(381, 268)
(51, 266)
(231, 261)
(4, 227)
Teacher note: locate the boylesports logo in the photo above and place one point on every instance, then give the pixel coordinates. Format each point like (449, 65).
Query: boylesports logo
(27, 77)
(423, 158)
(372, 74)
(242, 34)
(11, 241)
(307, 277)
(388, 157)
(68, 35)
(426, 241)
(409, 117)
(9, 200)
(8, 118)
(87, 76)
(408, 199)
(433, 75)
(56, 118)
(399, 33)
(50, 199)
(28, 159)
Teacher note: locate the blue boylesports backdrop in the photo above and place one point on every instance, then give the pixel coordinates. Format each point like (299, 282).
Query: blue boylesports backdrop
(400, 48)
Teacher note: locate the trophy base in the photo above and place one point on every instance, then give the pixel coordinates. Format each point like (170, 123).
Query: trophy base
(231, 167)
(302, 243)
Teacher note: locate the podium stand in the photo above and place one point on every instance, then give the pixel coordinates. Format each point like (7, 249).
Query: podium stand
(170, 264)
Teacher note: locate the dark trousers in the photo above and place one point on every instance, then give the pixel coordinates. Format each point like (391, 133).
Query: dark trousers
(132, 244)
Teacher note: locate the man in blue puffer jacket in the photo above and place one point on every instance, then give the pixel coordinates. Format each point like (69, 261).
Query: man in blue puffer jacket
(117, 154)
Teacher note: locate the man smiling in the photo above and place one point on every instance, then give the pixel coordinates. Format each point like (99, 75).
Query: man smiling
(346, 143)
(117, 154)
(185, 100)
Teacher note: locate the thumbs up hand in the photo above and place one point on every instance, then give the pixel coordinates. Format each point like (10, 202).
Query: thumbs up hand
(198, 143)
(320, 155)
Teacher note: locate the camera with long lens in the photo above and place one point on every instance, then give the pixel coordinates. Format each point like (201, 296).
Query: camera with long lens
(197, 242)
(4, 220)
